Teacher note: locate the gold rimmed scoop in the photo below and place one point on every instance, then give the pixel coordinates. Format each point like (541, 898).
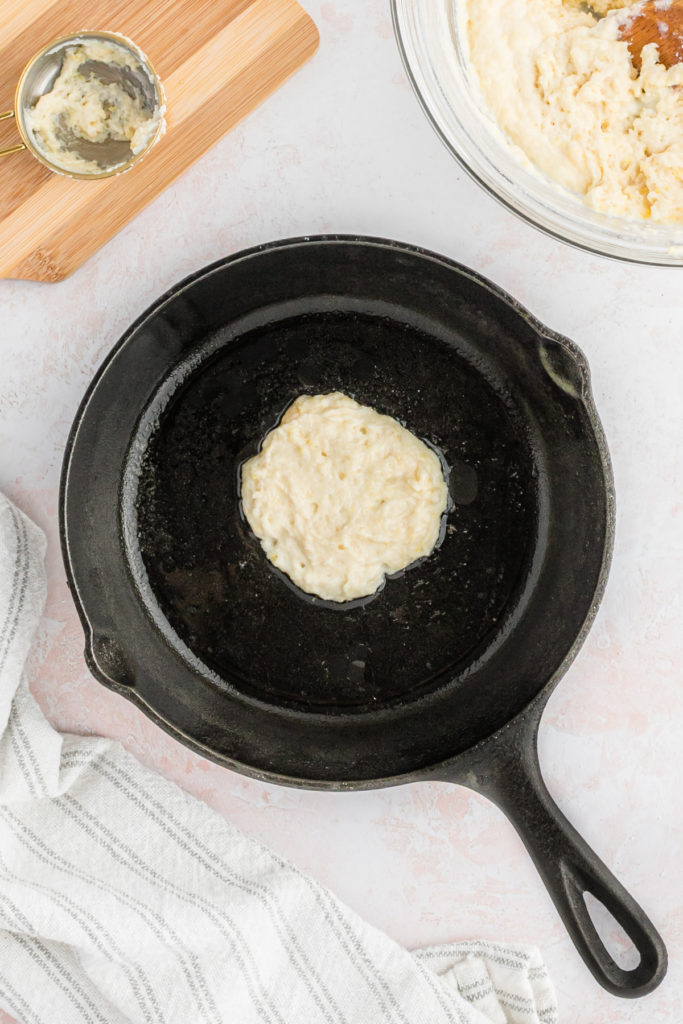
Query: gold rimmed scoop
(88, 137)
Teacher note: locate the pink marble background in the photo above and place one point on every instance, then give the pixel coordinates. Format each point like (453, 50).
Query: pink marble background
(344, 147)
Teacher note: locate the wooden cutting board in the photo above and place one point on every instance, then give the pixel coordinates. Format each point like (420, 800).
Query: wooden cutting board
(218, 59)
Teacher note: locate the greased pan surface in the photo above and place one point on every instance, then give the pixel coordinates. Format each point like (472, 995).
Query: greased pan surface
(246, 621)
(185, 616)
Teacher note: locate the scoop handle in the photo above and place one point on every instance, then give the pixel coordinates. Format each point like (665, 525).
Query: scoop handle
(11, 149)
(509, 774)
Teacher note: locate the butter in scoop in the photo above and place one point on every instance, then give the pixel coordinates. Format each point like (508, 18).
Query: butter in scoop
(94, 99)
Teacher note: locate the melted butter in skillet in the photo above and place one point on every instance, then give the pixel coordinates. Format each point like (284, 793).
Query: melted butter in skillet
(340, 496)
(207, 569)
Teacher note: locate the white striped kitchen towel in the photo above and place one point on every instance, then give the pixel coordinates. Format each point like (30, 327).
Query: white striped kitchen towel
(122, 899)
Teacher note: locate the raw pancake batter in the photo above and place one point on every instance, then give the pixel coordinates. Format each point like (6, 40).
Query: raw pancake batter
(81, 106)
(340, 495)
(562, 87)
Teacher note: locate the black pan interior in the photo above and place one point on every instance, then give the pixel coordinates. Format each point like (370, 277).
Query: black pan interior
(244, 619)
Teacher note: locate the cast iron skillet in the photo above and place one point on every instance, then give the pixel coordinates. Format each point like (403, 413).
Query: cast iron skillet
(445, 672)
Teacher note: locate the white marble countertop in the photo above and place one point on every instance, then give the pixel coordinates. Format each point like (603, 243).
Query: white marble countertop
(344, 147)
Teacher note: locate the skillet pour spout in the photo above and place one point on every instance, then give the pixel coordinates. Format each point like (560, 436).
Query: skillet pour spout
(444, 673)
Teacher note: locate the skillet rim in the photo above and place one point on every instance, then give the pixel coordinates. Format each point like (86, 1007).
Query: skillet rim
(534, 707)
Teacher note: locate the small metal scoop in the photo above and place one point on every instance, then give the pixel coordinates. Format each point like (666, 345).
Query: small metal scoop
(113, 156)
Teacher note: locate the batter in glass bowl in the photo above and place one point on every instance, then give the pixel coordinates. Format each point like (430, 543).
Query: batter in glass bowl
(562, 87)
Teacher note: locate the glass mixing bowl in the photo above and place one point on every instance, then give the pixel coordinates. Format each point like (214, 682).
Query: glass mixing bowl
(435, 59)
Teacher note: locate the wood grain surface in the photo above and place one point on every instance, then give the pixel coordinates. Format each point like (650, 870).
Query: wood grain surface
(217, 59)
(655, 23)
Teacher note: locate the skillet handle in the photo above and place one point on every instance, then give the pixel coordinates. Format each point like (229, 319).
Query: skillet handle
(510, 775)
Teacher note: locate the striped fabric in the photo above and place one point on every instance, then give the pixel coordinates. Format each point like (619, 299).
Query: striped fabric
(124, 900)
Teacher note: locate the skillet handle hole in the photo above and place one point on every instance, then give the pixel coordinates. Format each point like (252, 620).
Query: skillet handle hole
(612, 935)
